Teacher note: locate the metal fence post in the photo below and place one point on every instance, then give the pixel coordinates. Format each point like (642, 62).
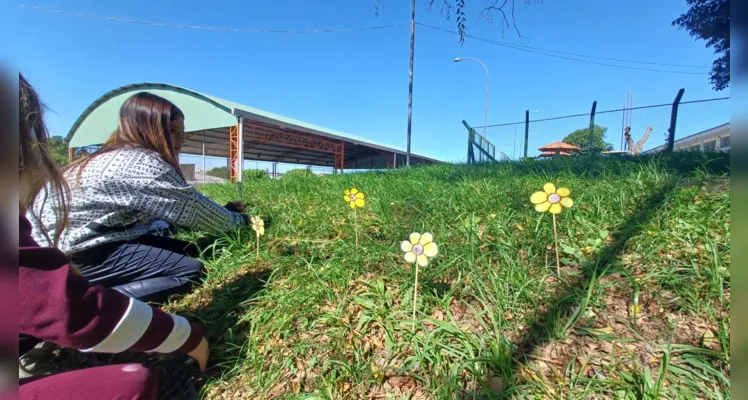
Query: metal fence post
(471, 139)
(673, 118)
(527, 129)
(592, 126)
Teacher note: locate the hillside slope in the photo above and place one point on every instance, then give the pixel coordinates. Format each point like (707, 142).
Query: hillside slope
(640, 310)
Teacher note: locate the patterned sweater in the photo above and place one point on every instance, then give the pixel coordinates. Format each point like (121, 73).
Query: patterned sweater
(119, 195)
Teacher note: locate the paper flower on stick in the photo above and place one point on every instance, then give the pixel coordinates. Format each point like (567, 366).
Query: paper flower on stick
(419, 248)
(258, 225)
(552, 199)
(355, 198)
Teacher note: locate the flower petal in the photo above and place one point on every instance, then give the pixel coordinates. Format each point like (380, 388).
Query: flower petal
(542, 207)
(360, 195)
(354, 191)
(549, 188)
(254, 219)
(360, 202)
(347, 197)
(423, 260)
(430, 249)
(426, 238)
(539, 197)
(353, 204)
(556, 208)
(410, 257)
(563, 192)
(347, 192)
(406, 246)
(567, 202)
(261, 231)
(415, 237)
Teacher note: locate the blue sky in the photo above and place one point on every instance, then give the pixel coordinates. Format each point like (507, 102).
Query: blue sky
(357, 82)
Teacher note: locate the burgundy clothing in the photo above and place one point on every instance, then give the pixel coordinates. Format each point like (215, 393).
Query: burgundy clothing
(60, 306)
(116, 382)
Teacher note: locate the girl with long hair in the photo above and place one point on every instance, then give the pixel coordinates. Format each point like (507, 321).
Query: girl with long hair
(59, 306)
(116, 194)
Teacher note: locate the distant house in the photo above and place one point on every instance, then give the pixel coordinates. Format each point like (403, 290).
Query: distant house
(713, 139)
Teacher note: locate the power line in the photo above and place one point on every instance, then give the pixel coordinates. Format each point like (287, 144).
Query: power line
(583, 55)
(531, 50)
(202, 27)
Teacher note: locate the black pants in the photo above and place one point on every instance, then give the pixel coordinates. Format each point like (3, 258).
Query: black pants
(150, 268)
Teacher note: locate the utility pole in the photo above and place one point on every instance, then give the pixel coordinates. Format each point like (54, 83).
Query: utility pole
(410, 75)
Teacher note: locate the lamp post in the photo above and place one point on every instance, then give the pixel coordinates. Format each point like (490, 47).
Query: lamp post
(488, 87)
(514, 146)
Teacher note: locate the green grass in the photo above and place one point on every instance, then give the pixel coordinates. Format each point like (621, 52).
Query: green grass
(316, 318)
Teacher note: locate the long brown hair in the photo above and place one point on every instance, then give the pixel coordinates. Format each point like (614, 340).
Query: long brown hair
(144, 121)
(36, 167)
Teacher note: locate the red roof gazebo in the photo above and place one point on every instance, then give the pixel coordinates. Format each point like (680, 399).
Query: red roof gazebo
(557, 149)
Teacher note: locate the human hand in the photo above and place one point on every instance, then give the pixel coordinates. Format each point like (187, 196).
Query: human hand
(236, 206)
(200, 354)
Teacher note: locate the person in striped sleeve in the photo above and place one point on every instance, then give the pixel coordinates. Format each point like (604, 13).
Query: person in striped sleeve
(58, 305)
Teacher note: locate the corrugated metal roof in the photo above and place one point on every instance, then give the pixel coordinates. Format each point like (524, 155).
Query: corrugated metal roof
(99, 120)
(719, 129)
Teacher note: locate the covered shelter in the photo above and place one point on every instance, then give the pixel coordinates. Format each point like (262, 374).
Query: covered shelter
(557, 149)
(551, 153)
(221, 128)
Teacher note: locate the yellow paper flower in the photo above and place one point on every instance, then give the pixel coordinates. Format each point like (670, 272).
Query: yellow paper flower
(355, 198)
(258, 225)
(419, 248)
(552, 199)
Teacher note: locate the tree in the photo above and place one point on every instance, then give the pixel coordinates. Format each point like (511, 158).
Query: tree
(219, 172)
(636, 149)
(59, 149)
(581, 139)
(710, 20)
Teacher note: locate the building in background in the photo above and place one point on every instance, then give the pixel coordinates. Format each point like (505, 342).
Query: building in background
(713, 139)
(188, 170)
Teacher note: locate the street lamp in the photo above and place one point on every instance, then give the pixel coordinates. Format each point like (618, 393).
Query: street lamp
(514, 146)
(488, 86)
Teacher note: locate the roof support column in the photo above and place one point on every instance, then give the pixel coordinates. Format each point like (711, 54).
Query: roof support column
(204, 171)
(233, 151)
(240, 166)
(339, 163)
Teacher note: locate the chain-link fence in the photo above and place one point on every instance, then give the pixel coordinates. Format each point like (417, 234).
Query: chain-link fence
(627, 130)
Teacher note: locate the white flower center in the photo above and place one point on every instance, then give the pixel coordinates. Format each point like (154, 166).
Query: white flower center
(554, 198)
(353, 197)
(418, 249)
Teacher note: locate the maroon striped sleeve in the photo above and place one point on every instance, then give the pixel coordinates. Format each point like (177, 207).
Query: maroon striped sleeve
(60, 306)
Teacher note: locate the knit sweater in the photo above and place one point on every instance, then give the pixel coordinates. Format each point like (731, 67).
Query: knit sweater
(59, 306)
(117, 197)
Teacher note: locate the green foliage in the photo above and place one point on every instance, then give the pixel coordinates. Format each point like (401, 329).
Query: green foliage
(59, 149)
(251, 174)
(297, 173)
(710, 20)
(581, 139)
(315, 317)
(219, 172)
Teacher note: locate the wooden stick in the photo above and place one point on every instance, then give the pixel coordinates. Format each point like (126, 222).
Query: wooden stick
(355, 224)
(555, 235)
(415, 297)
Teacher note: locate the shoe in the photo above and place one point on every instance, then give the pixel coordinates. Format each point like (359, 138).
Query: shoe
(38, 361)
